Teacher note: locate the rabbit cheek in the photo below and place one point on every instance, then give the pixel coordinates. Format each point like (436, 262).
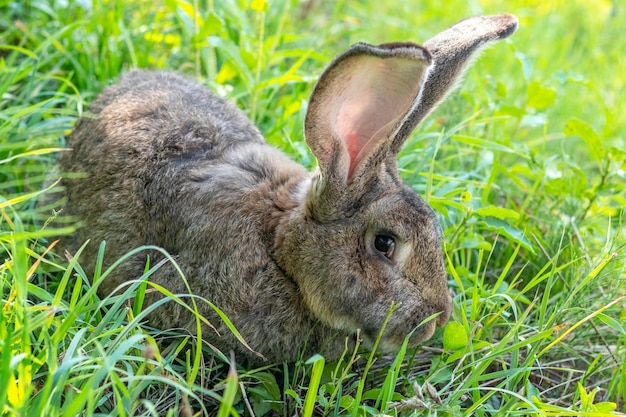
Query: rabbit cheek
(338, 314)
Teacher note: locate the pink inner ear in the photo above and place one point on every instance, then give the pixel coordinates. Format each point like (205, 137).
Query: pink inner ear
(378, 94)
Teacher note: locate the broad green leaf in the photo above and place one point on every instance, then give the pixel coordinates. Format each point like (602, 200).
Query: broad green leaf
(612, 323)
(507, 230)
(454, 336)
(213, 25)
(605, 407)
(227, 72)
(576, 127)
(497, 212)
(539, 96)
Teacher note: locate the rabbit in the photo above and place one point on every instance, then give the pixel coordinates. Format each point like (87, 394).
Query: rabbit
(301, 262)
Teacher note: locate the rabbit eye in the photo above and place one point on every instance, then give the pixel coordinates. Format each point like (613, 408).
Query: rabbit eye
(385, 244)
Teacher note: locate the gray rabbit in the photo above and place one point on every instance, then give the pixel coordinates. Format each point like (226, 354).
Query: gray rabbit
(298, 261)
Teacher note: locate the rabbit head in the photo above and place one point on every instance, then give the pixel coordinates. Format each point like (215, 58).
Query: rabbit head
(363, 239)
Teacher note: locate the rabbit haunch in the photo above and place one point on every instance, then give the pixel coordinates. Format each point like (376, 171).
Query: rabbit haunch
(298, 261)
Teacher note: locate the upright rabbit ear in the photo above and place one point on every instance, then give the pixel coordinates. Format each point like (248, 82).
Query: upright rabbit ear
(369, 100)
(360, 102)
(453, 50)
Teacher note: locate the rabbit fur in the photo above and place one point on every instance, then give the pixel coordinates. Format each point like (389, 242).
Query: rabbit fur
(298, 261)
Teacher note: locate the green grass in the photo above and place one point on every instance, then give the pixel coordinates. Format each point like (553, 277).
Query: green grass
(525, 164)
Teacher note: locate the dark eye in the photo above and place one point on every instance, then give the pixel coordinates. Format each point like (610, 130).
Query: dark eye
(385, 244)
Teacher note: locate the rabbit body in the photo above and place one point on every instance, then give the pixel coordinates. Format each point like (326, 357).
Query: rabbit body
(172, 165)
(298, 261)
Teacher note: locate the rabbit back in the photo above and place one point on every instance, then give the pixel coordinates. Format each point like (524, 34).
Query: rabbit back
(166, 160)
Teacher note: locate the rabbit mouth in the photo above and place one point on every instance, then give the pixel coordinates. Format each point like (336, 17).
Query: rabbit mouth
(393, 338)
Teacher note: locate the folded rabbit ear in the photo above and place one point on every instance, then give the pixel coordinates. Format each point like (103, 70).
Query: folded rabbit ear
(453, 51)
(360, 102)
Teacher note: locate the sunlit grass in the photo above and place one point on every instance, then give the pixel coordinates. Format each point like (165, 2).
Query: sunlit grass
(525, 165)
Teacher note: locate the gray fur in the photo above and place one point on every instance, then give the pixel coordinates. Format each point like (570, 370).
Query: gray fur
(288, 255)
